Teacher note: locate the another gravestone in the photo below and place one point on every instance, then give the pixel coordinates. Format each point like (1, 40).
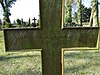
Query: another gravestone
(34, 23)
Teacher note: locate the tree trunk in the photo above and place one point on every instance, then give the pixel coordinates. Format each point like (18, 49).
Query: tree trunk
(80, 12)
(94, 20)
(68, 12)
(6, 17)
(6, 14)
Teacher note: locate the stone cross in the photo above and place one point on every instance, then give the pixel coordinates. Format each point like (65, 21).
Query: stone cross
(51, 37)
(34, 20)
(51, 40)
(34, 23)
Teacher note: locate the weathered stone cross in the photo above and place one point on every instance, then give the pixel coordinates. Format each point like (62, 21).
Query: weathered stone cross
(34, 23)
(50, 37)
(34, 20)
(51, 40)
(45, 39)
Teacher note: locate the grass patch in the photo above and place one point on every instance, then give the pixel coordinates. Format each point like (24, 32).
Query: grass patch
(82, 63)
(20, 63)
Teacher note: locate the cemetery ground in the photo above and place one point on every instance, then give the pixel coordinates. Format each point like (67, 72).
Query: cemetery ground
(29, 63)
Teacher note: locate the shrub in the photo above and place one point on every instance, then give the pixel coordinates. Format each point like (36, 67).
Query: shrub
(8, 25)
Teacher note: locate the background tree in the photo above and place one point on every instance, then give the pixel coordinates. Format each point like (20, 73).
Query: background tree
(0, 24)
(86, 12)
(6, 5)
(79, 12)
(68, 11)
(22, 22)
(18, 22)
(29, 22)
